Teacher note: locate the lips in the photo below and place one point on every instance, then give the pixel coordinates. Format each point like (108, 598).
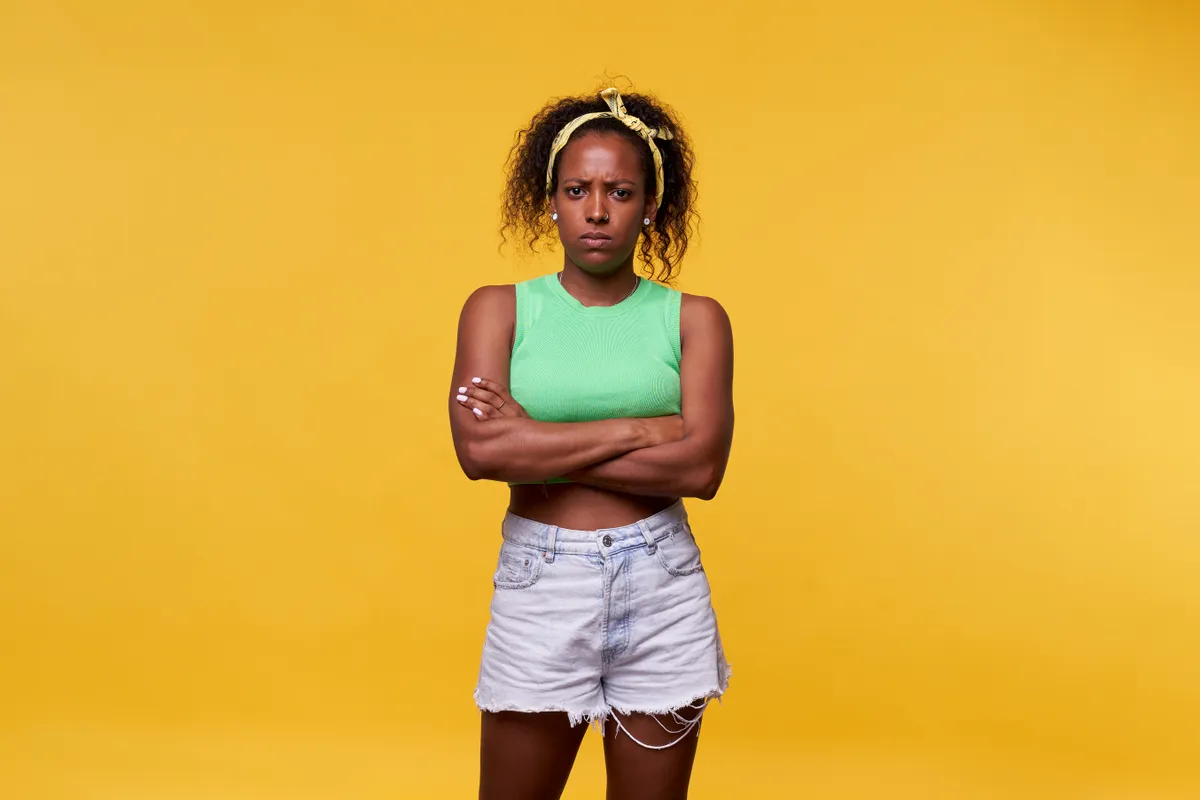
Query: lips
(595, 239)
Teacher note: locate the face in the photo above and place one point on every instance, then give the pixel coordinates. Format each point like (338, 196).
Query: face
(601, 176)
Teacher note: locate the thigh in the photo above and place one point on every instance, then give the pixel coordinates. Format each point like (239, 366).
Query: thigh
(525, 756)
(649, 757)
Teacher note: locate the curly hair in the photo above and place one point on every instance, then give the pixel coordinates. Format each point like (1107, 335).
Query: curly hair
(525, 208)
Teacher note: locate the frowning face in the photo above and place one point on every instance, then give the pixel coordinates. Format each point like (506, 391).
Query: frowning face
(601, 200)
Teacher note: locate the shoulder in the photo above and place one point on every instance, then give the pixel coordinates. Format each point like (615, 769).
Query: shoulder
(491, 299)
(700, 312)
(490, 305)
(489, 296)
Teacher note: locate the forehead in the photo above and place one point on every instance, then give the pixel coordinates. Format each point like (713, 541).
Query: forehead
(595, 153)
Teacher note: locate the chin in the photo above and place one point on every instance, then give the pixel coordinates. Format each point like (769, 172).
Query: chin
(597, 263)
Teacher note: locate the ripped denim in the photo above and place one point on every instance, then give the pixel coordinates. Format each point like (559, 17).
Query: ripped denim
(591, 622)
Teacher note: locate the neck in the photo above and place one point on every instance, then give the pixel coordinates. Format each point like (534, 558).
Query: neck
(599, 290)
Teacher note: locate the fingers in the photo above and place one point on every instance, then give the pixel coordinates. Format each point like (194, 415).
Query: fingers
(483, 396)
(494, 388)
(479, 408)
(486, 399)
(511, 408)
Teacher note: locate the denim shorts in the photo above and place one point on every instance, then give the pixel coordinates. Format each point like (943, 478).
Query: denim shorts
(588, 622)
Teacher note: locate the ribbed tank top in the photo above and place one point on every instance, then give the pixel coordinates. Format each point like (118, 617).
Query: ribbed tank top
(577, 363)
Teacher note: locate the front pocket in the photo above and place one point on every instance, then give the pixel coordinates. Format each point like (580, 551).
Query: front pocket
(678, 553)
(517, 568)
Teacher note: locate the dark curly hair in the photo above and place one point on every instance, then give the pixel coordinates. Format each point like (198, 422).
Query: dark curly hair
(525, 208)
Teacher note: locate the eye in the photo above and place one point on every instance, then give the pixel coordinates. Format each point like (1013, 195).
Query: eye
(570, 189)
(626, 191)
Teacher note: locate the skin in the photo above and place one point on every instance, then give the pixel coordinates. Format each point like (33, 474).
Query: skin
(623, 470)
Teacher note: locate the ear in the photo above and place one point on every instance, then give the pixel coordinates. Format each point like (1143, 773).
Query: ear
(650, 209)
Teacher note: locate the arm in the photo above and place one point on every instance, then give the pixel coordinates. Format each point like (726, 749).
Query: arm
(695, 465)
(507, 448)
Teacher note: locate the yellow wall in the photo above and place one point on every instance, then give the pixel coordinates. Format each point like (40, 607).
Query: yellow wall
(956, 554)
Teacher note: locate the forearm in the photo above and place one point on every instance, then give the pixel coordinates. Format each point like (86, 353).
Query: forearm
(687, 468)
(519, 449)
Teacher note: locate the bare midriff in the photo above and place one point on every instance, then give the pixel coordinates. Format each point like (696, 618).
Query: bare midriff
(580, 507)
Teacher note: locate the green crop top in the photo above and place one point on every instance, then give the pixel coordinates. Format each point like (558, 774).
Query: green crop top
(577, 363)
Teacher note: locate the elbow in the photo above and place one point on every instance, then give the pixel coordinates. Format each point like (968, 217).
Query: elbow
(708, 482)
(474, 461)
(485, 456)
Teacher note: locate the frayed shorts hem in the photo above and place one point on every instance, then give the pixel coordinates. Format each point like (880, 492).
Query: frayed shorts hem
(597, 716)
(672, 708)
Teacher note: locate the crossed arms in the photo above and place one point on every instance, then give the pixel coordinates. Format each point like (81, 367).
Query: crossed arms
(683, 456)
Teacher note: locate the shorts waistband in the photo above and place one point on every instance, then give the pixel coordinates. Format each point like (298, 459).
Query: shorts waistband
(553, 539)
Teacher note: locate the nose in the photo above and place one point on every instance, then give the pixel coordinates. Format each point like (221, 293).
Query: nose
(596, 212)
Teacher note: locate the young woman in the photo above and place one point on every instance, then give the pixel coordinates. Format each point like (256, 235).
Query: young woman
(602, 399)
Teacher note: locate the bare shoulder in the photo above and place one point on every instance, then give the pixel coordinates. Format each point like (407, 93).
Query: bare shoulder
(698, 312)
(485, 331)
(490, 307)
(491, 299)
(706, 341)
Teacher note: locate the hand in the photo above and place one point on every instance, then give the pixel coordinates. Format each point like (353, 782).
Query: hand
(489, 400)
(664, 430)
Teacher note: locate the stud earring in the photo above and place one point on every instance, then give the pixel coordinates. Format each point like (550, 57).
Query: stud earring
(646, 221)
(554, 216)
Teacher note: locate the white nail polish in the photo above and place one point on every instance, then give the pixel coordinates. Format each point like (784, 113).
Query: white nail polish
(476, 380)
(462, 390)
(462, 398)
(478, 413)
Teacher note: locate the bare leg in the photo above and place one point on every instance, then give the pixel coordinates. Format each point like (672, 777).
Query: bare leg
(526, 756)
(636, 772)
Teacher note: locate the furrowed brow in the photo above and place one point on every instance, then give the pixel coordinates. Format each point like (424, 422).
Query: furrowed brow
(620, 182)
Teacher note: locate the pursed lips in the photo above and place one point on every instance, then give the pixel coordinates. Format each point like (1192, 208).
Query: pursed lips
(596, 240)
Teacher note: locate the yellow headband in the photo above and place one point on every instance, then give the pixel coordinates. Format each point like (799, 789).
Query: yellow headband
(617, 111)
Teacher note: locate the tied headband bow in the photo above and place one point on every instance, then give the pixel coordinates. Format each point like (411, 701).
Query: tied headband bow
(617, 111)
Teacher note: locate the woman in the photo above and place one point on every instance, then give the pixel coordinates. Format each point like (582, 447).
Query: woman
(621, 404)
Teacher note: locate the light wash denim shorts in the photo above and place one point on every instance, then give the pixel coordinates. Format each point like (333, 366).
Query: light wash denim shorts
(588, 622)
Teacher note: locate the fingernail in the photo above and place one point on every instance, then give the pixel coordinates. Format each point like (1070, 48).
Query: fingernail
(462, 398)
(462, 390)
(476, 380)
(478, 413)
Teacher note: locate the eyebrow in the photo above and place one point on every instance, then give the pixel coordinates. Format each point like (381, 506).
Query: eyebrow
(606, 183)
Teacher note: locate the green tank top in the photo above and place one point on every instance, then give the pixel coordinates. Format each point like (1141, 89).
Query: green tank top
(577, 363)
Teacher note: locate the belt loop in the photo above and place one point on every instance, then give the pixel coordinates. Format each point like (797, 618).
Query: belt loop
(649, 537)
(551, 542)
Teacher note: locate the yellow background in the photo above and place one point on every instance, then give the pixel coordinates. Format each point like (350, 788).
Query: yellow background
(956, 554)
